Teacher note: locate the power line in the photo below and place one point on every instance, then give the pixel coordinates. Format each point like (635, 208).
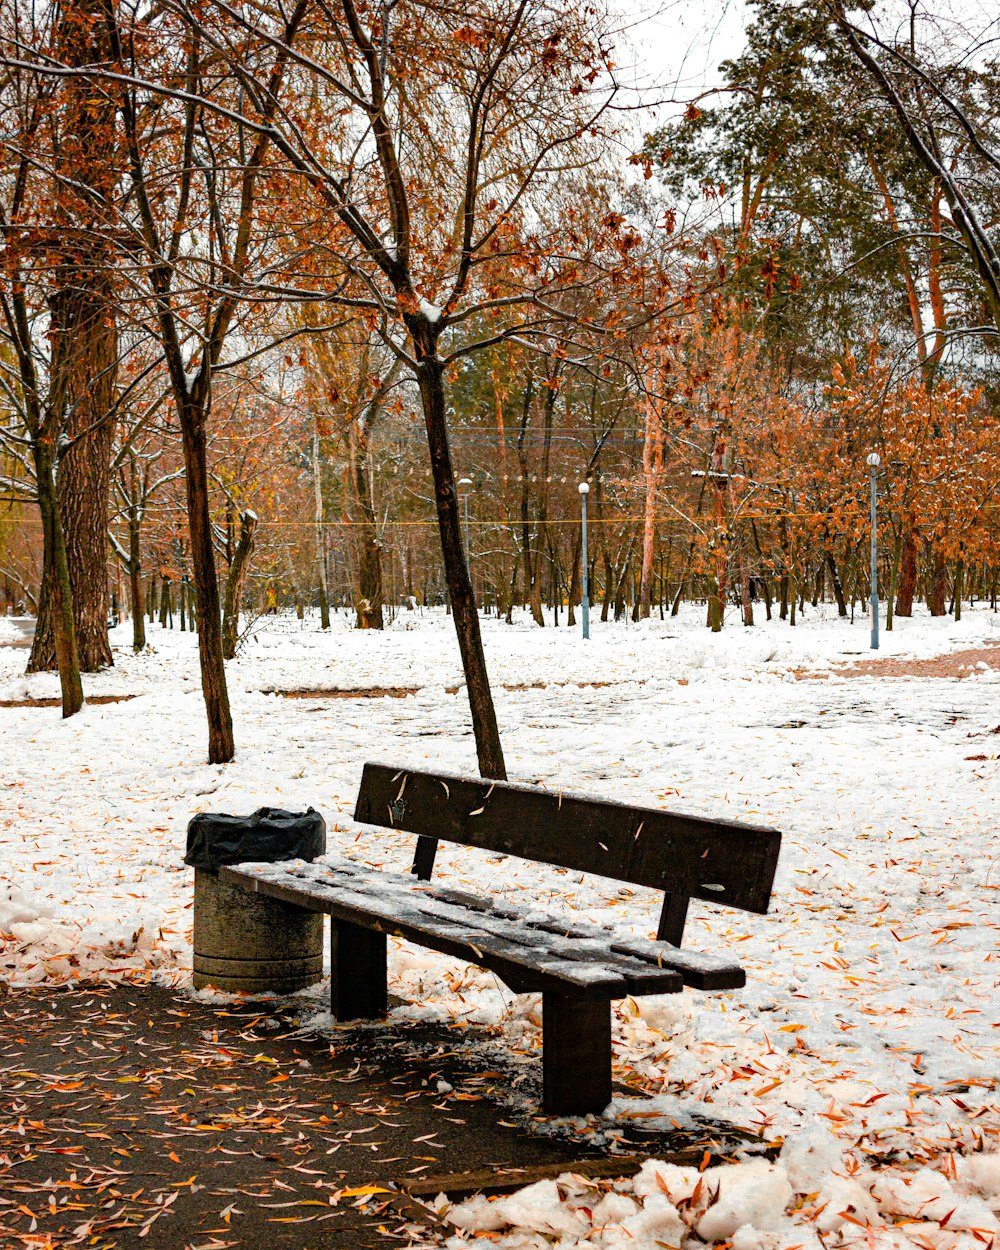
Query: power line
(509, 523)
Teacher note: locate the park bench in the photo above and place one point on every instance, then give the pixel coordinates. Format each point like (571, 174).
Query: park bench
(579, 968)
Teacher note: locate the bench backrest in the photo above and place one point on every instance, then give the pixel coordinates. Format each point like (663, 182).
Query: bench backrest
(719, 861)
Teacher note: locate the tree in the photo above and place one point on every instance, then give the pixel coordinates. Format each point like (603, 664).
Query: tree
(33, 378)
(82, 136)
(451, 122)
(352, 379)
(946, 109)
(191, 179)
(817, 204)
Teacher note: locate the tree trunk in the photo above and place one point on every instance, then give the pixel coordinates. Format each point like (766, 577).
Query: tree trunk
(745, 601)
(537, 615)
(652, 470)
(890, 597)
(532, 556)
(838, 589)
(908, 568)
(713, 614)
(766, 588)
(484, 723)
(55, 565)
(721, 549)
(135, 582)
(607, 590)
(368, 552)
(324, 588)
(370, 591)
(235, 582)
(82, 487)
(575, 585)
(84, 343)
(937, 586)
(221, 747)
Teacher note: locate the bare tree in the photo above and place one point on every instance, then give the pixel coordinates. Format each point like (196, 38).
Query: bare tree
(191, 179)
(452, 124)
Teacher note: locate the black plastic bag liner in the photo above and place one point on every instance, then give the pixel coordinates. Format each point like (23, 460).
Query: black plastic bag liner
(268, 836)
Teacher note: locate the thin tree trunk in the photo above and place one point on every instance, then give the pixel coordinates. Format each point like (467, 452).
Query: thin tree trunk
(652, 471)
(235, 582)
(745, 601)
(324, 590)
(575, 588)
(719, 583)
(221, 747)
(370, 592)
(890, 597)
(838, 589)
(135, 582)
(484, 723)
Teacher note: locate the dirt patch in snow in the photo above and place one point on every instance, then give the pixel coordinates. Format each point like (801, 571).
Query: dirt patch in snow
(962, 663)
(545, 685)
(94, 698)
(367, 692)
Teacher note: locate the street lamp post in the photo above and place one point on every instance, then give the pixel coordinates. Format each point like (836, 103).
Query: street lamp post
(874, 460)
(584, 489)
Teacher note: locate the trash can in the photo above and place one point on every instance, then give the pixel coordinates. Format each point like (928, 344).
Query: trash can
(245, 941)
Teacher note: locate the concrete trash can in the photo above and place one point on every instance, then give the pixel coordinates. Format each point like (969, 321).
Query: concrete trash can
(245, 941)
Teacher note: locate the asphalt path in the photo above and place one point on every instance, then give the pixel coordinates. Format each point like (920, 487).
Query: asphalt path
(133, 1115)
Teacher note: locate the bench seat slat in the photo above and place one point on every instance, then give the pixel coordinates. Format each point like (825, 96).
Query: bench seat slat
(700, 971)
(569, 944)
(396, 906)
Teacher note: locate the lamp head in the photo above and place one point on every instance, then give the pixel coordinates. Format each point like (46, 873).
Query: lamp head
(874, 459)
(584, 488)
(465, 481)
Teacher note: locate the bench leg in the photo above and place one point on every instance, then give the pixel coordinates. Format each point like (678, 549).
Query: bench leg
(576, 1055)
(357, 972)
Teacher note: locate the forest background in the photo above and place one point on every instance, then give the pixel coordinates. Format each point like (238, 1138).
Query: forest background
(334, 306)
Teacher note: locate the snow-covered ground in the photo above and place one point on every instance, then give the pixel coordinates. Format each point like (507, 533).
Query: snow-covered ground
(868, 1036)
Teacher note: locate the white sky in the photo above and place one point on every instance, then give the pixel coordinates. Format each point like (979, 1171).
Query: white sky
(674, 49)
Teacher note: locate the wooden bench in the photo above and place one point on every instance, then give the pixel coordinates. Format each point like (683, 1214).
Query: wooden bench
(579, 968)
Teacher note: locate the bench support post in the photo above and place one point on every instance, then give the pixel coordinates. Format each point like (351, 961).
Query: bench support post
(357, 972)
(423, 858)
(576, 1055)
(673, 917)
